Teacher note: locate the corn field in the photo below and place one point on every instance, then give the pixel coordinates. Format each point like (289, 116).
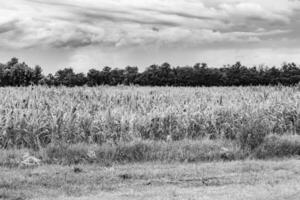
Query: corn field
(34, 117)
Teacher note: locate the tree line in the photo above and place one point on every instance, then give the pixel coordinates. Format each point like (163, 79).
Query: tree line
(14, 73)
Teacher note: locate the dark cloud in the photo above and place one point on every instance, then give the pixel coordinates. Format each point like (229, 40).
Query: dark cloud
(180, 14)
(119, 23)
(8, 26)
(99, 15)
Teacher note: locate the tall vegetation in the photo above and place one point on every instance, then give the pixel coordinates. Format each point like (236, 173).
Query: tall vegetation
(14, 73)
(39, 116)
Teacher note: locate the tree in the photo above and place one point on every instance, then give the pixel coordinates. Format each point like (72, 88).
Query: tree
(15, 73)
(2, 75)
(116, 76)
(49, 80)
(65, 77)
(106, 75)
(130, 75)
(12, 62)
(79, 79)
(94, 78)
(37, 74)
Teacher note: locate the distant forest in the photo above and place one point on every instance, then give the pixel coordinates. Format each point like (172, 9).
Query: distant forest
(14, 73)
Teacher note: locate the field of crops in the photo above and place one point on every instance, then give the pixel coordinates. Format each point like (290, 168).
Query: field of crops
(36, 117)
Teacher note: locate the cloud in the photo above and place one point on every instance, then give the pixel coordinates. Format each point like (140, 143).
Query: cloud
(252, 11)
(7, 26)
(128, 23)
(95, 57)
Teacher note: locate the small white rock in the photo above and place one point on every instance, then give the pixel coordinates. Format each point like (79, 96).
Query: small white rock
(169, 138)
(30, 161)
(224, 149)
(91, 154)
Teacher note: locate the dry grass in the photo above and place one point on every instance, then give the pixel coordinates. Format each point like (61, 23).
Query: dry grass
(145, 128)
(133, 152)
(40, 117)
(250, 180)
(279, 146)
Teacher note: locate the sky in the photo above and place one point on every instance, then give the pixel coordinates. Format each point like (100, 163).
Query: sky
(86, 34)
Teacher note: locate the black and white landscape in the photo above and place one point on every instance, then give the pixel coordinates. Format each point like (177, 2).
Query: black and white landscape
(150, 99)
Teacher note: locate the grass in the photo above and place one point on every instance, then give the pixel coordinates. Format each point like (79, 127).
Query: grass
(184, 151)
(133, 152)
(279, 146)
(36, 117)
(248, 179)
(138, 120)
(150, 143)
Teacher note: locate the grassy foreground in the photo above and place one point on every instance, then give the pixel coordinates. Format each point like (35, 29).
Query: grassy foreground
(268, 180)
(185, 151)
(115, 136)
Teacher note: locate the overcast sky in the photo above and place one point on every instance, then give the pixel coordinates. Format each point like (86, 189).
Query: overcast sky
(94, 33)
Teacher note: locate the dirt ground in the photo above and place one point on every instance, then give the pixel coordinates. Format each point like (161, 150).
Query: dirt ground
(247, 180)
